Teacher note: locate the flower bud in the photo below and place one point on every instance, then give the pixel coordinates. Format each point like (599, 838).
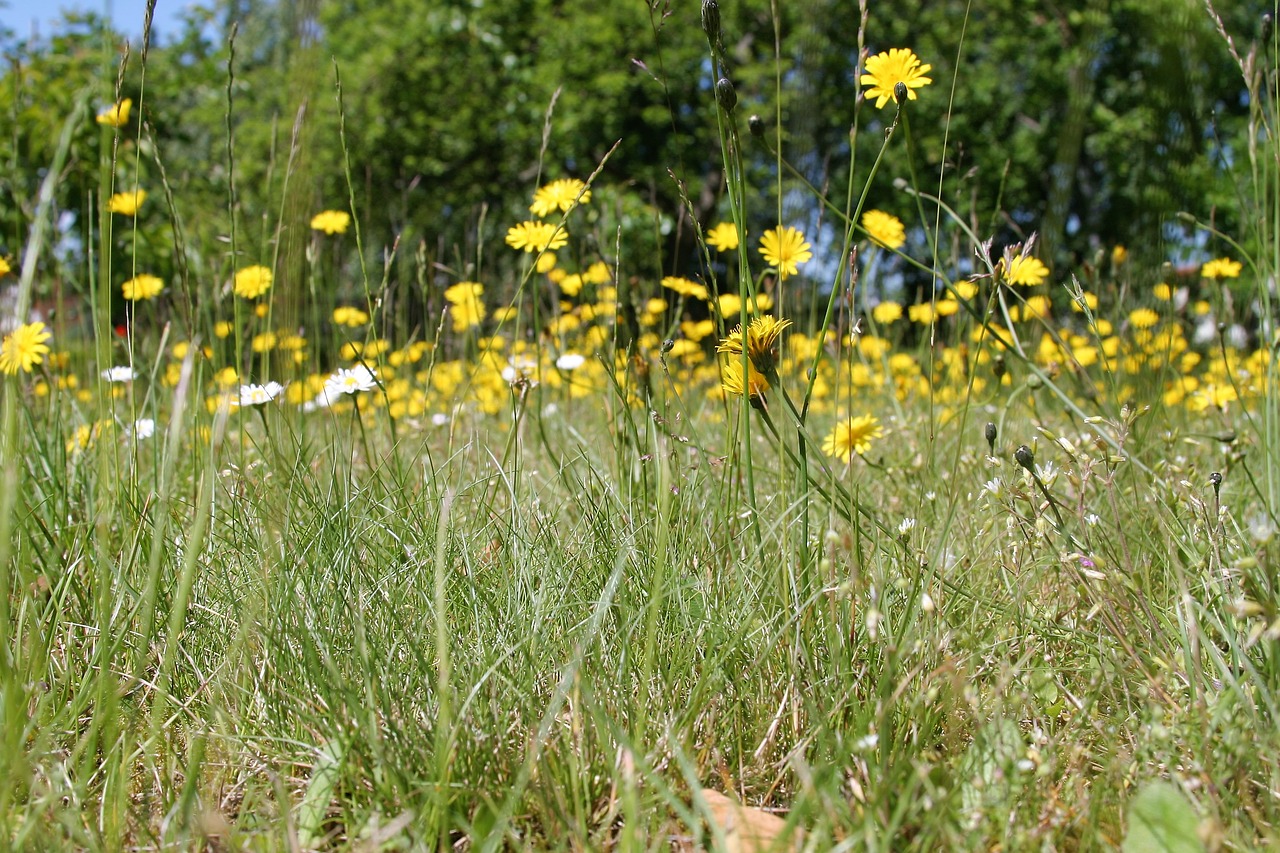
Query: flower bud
(899, 92)
(756, 125)
(711, 20)
(1267, 21)
(1024, 457)
(726, 97)
(989, 432)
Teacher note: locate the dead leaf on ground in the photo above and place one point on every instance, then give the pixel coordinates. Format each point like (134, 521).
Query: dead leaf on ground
(750, 830)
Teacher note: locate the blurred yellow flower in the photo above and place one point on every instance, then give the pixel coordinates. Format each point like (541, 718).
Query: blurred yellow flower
(331, 221)
(852, 435)
(763, 334)
(685, 287)
(723, 237)
(252, 282)
(783, 248)
(468, 308)
(884, 229)
(886, 312)
(1143, 318)
(142, 286)
(127, 204)
(5, 269)
(1221, 268)
(562, 195)
(24, 348)
(116, 115)
(536, 236)
(886, 70)
(346, 315)
(731, 378)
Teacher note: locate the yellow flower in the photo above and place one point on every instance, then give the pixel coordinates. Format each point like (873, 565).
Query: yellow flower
(723, 237)
(1221, 268)
(886, 70)
(546, 262)
(5, 269)
(536, 236)
(263, 342)
(685, 287)
(223, 328)
(24, 348)
(468, 308)
(252, 282)
(1143, 318)
(116, 115)
(921, 313)
(142, 286)
(886, 313)
(783, 248)
(346, 315)
(563, 195)
(1162, 292)
(884, 229)
(731, 378)
(1119, 254)
(331, 221)
(126, 204)
(1026, 271)
(853, 435)
(763, 334)
(1090, 301)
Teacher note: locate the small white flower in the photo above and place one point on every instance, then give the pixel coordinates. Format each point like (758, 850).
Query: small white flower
(993, 486)
(439, 419)
(867, 742)
(256, 395)
(143, 428)
(1047, 473)
(1092, 519)
(570, 361)
(521, 370)
(906, 526)
(343, 381)
(124, 373)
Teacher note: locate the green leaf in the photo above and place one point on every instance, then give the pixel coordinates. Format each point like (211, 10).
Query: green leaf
(315, 802)
(1162, 821)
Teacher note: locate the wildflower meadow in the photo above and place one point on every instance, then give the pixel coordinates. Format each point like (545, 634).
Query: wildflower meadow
(681, 425)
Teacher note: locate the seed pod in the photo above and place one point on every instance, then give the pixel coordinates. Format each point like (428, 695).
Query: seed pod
(726, 97)
(1024, 457)
(899, 92)
(990, 433)
(756, 125)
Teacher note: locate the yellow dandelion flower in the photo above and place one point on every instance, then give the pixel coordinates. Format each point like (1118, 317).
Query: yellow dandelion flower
(1024, 270)
(142, 286)
(1119, 254)
(223, 328)
(723, 237)
(536, 236)
(886, 70)
(922, 313)
(264, 342)
(562, 195)
(331, 221)
(1162, 292)
(1143, 318)
(252, 282)
(696, 330)
(729, 304)
(732, 381)
(546, 262)
(884, 229)
(127, 204)
(783, 248)
(5, 269)
(853, 435)
(886, 312)
(116, 115)
(24, 348)
(763, 334)
(1221, 268)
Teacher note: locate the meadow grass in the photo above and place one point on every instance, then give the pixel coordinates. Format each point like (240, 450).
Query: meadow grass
(532, 576)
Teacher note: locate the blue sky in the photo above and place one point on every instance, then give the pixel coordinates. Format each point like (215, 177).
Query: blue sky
(26, 17)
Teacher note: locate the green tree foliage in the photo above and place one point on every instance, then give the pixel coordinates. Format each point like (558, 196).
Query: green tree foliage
(1088, 122)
